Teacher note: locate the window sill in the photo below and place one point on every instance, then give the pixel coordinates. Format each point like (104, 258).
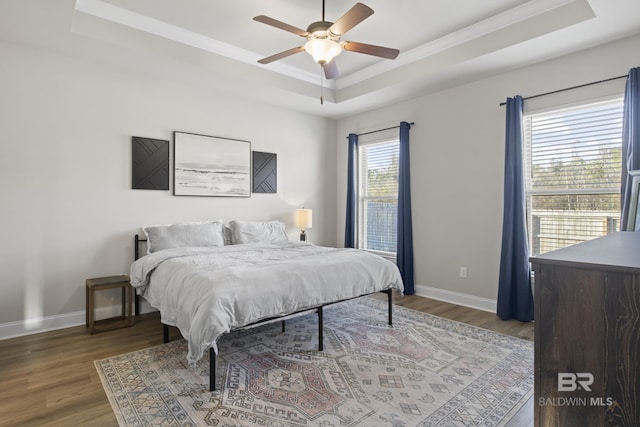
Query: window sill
(386, 255)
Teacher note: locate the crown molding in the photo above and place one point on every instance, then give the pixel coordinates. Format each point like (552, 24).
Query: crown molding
(497, 22)
(140, 22)
(137, 21)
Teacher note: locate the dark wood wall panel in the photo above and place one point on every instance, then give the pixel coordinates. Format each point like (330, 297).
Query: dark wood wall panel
(265, 172)
(150, 164)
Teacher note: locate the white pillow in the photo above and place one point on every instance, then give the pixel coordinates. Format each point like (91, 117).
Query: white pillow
(252, 232)
(183, 235)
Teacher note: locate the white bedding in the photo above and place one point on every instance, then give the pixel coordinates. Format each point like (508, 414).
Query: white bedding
(208, 291)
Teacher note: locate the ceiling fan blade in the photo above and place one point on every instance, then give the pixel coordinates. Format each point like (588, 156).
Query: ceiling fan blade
(369, 49)
(353, 17)
(331, 70)
(281, 55)
(279, 24)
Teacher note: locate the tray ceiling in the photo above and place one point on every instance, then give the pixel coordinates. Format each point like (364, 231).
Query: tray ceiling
(217, 43)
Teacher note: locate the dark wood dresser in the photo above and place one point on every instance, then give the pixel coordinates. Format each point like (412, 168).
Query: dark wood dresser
(587, 333)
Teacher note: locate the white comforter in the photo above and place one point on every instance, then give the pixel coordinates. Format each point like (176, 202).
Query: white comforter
(206, 292)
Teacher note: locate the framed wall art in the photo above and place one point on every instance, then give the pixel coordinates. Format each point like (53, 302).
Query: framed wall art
(149, 163)
(265, 172)
(211, 166)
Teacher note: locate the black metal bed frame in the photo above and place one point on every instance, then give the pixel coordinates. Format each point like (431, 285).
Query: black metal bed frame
(318, 309)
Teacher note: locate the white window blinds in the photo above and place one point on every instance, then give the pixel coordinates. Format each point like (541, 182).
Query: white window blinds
(574, 166)
(378, 196)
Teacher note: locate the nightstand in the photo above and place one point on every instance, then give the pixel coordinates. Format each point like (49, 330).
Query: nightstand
(111, 282)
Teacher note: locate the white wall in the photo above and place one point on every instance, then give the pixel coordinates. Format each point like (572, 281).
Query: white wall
(457, 161)
(68, 211)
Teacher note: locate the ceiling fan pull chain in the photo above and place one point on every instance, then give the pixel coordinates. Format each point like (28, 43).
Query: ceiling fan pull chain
(321, 85)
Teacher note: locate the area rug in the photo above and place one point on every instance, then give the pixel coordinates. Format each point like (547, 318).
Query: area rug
(422, 371)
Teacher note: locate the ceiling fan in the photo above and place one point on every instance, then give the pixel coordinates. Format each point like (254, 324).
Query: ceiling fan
(324, 39)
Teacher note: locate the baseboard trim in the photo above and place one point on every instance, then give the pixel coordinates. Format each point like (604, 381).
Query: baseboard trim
(42, 324)
(60, 321)
(484, 304)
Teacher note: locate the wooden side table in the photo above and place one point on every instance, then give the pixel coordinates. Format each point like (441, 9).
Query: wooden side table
(111, 282)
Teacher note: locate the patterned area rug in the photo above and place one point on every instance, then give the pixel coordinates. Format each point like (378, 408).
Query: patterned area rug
(423, 371)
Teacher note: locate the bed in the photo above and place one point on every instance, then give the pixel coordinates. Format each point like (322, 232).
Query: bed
(208, 279)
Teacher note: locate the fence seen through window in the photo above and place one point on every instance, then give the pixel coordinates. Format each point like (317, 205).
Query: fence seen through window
(378, 196)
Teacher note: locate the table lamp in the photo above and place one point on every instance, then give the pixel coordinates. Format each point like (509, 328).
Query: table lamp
(304, 220)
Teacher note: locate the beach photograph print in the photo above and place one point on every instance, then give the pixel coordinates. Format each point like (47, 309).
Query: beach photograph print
(211, 166)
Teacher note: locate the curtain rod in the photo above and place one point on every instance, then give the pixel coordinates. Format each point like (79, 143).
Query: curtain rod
(380, 130)
(570, 88)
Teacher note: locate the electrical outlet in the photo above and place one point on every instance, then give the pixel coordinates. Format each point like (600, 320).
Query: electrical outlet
(463, 272)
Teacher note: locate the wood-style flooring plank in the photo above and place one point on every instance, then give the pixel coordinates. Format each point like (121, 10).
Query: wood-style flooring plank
(49, 379)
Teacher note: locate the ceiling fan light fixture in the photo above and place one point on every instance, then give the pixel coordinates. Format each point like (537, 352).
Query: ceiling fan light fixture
(323, 50)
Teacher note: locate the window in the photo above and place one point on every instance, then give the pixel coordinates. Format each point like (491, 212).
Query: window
(378, 196)
(573, 177)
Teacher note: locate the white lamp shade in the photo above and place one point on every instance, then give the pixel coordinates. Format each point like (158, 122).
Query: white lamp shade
(323, 50)
(304, 218)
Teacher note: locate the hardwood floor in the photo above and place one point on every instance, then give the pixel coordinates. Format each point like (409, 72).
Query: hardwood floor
(49, 379)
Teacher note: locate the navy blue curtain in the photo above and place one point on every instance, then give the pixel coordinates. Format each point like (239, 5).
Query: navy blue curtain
(630, 140)
(350, 223)
(515, 299)
(404, 253)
